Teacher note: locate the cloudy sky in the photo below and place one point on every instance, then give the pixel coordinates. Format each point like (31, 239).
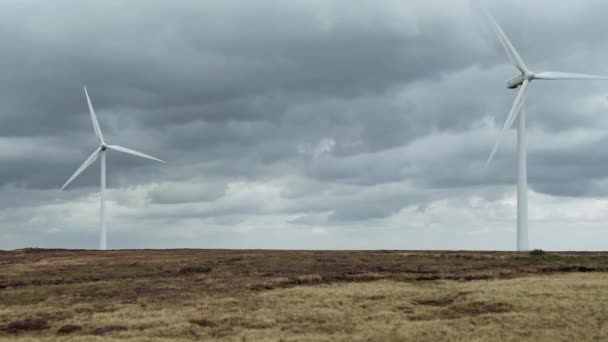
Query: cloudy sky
(316, 124)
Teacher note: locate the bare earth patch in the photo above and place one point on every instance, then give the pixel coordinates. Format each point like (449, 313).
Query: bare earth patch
(69, 329)
(31, 324)
(108, 329)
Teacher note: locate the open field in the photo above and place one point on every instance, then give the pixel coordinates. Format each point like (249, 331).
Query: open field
(184, 295)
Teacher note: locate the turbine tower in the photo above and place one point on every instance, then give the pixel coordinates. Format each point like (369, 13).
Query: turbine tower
(100, 151)
(522, 81)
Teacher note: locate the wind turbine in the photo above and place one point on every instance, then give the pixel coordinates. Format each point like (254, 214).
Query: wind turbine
(522, 81)
(100, 151)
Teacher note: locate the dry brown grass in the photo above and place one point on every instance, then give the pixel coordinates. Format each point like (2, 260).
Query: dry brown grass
(186, 295)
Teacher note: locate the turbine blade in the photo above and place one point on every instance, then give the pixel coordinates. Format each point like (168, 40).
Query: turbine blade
(82, 167)
(515, 109)
(506, 44)
(93, 117)
(557, 75)
(135, 153)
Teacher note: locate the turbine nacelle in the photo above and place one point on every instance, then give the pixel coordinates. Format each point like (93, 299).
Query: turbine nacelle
(515, 81)
(518, 80)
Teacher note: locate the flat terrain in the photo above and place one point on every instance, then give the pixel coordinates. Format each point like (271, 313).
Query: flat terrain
(251, 295)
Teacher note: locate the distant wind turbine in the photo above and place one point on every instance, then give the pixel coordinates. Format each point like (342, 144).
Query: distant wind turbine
(522, 81)
(101, 151)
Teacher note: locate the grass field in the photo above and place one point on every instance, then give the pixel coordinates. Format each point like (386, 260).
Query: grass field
(185, 295)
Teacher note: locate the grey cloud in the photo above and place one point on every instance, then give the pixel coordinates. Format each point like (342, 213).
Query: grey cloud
(171, 193)
(410, 95)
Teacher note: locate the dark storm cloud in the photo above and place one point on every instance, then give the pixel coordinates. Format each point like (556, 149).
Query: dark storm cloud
(173, 68)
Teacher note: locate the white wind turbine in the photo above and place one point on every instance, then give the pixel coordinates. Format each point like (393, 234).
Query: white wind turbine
(522, 81)
(100, 151)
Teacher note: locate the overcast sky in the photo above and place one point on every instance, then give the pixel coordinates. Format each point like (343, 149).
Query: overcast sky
(313, 124)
